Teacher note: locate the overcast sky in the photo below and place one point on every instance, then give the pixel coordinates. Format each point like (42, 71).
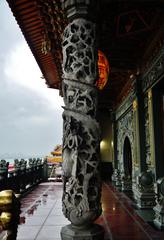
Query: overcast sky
(30, 113)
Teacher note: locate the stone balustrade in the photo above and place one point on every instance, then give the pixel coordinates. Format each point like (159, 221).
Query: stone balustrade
(23, 175)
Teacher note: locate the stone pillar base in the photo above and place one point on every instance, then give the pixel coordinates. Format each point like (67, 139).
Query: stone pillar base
(144, 199)
(116, 179)
(118, 185)
(144, 192)
(159, 217)
(93, 232)
(126, 185)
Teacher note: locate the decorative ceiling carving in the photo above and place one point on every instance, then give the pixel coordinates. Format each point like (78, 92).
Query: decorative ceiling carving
(128, 33)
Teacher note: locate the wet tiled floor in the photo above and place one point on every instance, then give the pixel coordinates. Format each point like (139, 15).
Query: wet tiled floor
(121, 219)
(41, 216)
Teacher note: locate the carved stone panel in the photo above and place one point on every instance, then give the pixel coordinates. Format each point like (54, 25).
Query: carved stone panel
(79, 61)
(80, 166)
(124, 129)
(155, 72)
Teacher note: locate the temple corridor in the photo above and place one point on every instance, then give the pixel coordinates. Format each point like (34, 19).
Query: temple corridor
(41, 216)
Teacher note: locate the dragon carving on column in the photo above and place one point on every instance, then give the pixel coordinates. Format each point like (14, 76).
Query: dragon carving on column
(81, 137)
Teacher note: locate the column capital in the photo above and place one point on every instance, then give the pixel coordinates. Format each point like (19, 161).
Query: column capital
(79, 8)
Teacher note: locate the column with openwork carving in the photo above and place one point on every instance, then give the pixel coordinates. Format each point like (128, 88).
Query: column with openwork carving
(82, 185)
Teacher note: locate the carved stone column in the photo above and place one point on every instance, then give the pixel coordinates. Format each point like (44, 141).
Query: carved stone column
(81, 137)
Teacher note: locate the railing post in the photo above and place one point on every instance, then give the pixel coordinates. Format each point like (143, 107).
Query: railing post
(116, 179)
(23, 179)
(31, 171)
(34, 171)
(3, 174)
(37, 170)
(45, 170)
(16, 185)
(144, 192)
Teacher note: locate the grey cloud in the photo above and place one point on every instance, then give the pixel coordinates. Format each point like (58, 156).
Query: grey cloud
(10, 31)
(28, 126)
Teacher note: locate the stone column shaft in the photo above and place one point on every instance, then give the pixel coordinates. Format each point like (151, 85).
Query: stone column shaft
(81, 136)
(81, 196)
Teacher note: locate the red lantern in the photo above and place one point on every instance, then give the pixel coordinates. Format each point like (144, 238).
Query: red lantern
(103, 67)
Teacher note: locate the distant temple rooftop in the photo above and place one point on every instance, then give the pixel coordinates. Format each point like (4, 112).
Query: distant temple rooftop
(56, 155)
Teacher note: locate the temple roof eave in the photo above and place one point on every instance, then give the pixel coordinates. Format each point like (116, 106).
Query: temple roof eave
(30, 18)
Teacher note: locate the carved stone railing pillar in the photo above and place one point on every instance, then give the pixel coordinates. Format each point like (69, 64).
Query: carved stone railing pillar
(45, 169)
(17, 166)
(3, 174)
(144, 192)
(116, 179)
(159, 208)
(81, 137)
(126, 182)
(16, 183)
(23, 164)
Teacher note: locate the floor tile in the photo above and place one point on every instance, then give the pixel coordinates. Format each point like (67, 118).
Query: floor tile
(42, 218)
(34, 221)
(56, 220)
(49, 233)
(27, 232)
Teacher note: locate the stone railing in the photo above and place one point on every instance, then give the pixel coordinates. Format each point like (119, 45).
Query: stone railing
(23, 175)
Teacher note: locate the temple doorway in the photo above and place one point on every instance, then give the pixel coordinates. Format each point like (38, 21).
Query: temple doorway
(127, 158)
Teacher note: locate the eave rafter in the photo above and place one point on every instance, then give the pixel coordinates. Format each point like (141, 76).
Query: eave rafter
(42, 23)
